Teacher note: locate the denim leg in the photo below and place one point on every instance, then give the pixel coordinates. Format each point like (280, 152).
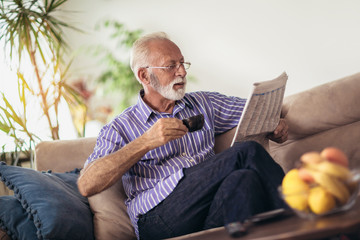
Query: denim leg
(239, 196)
(187, 208)
(252, 155)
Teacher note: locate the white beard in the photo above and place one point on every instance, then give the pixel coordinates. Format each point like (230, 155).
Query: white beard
(168, 91)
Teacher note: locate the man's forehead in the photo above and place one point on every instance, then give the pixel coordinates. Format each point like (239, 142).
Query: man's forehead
(164, 50)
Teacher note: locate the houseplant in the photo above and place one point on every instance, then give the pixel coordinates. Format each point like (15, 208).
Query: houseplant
(35, 46)
(117, 78)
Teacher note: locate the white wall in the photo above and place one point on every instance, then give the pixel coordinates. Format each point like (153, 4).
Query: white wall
(233, 43)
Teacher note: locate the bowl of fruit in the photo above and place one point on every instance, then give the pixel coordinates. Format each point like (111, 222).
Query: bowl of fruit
(323, 184)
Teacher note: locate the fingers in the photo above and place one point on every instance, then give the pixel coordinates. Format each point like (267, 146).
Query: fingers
(170, 126)
(281, 139)
(280, 134)
(282, 127)
(165, 130)
(278, 139)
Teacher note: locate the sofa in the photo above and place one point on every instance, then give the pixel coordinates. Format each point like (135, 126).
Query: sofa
(326, 115)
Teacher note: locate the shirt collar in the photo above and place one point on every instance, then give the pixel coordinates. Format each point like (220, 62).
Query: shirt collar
(182, 103)
(146, 111)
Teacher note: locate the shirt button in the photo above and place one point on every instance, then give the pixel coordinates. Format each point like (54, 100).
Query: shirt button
(192, 160)
(183, 154)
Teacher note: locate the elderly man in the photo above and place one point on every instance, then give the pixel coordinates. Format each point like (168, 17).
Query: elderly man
(174, 181)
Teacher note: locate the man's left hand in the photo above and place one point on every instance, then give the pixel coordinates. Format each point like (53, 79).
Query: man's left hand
(280, 134)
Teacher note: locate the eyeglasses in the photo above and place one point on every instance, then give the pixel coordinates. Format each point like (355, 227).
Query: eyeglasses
(174, 67)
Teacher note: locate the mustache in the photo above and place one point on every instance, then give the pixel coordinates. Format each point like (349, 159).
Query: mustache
(179, 80)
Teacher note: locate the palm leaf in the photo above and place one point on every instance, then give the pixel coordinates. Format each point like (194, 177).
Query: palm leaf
(24, 83)
(11, 114)
(4, 126)
(30, 31)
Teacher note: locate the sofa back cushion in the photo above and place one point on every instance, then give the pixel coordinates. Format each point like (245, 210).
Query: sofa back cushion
(323, 107)
(63, 155)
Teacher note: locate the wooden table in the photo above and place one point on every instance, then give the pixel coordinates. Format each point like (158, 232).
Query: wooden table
(293, 227)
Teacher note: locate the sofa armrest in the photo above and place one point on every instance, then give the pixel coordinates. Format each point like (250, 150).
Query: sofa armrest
(63, 155)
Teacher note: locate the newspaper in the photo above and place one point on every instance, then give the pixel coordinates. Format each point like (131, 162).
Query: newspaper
(262, 111)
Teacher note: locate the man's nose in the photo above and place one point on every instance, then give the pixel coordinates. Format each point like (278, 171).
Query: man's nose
(181, 71)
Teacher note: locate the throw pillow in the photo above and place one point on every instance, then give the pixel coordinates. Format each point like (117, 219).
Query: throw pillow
(52, 200)
(111, 221)
(14, 220)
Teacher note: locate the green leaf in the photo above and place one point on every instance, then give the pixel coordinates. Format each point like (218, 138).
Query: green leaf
(31, 30)
(12, 113)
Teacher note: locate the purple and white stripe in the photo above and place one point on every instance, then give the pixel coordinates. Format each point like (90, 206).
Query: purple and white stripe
(155, 176)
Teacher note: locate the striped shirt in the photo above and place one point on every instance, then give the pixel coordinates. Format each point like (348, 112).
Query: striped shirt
(155, 176)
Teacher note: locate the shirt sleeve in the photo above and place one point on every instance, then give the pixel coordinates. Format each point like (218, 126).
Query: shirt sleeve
(227, 111)
(108, 141)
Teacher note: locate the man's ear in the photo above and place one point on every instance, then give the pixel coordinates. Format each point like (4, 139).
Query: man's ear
(144, 76)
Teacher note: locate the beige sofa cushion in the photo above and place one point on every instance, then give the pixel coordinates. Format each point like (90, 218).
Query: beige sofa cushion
(324, 107)
(63, 155)
(111, 221)
(288, 154)
(327, 115)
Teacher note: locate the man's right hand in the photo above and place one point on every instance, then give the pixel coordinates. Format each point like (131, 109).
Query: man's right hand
(104, 172)
(165, 130)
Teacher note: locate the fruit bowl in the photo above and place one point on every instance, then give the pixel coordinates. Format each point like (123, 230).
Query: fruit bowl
(299, 201)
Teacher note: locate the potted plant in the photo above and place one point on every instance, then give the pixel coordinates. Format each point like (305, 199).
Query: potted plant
(35, 46)
(116, 78)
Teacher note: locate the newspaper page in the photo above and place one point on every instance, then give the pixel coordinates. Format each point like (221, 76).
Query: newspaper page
(262, 111)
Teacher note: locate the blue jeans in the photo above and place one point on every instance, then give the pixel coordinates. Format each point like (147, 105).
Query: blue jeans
(231, 186)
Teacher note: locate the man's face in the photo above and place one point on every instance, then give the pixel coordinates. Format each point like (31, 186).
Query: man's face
(170, 84)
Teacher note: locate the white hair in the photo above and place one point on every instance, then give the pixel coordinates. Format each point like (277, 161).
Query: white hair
(139, 55)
